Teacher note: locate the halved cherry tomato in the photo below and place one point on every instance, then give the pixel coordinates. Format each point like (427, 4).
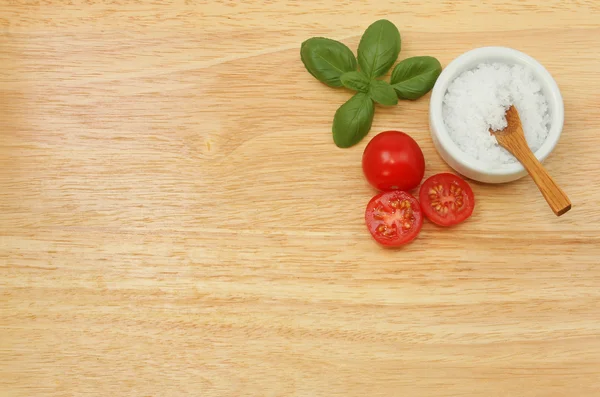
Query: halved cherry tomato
(446, 199)
(394, 218)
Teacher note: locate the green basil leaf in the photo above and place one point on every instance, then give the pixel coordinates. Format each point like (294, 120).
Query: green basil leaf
(353, 120)
(356, 81)
(414, 77)
(383, 93)
(378, 48)
(327, 59)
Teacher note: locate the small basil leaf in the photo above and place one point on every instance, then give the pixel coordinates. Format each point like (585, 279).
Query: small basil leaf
(378, 48)
(414, 77)
(327, 59)
(353, 120)
(356, 81)
(383, 93)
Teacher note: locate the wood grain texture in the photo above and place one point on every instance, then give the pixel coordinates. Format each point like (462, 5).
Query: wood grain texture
(176, 221)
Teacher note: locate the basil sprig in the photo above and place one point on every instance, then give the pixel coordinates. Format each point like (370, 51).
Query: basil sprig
(334, 64)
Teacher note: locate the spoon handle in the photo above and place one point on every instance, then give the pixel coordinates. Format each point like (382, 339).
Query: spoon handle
(554, 195)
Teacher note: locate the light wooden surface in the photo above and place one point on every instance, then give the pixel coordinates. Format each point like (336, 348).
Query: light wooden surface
(176, 221)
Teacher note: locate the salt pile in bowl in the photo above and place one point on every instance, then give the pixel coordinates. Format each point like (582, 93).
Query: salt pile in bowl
(477, 100)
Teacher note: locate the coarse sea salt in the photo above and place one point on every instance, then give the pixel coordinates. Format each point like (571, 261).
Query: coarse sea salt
(477, 100)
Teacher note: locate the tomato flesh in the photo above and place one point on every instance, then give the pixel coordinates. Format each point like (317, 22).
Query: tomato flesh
(394, 218)
(446, 199)
(393, 161)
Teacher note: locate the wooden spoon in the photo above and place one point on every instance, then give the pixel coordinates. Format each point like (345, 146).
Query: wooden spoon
(512, 139)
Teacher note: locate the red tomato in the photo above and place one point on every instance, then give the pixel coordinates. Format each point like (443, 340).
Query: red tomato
(394, 218)
(393, 161)
(446, 199)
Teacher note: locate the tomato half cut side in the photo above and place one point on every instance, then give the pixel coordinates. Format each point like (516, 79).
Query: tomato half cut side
(446, 199)
(394, 218)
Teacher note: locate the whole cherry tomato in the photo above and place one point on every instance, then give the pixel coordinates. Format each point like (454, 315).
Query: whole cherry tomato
(393, 161)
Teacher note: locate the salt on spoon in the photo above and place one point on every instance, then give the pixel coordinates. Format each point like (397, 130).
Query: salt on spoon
(512, 139)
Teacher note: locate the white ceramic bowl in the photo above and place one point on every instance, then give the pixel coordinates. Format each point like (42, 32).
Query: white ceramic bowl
(452, 154)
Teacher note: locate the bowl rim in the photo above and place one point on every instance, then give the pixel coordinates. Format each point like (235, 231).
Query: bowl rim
(457, 66)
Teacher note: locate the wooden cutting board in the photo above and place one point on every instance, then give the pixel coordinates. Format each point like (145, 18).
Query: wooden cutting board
(175, 219)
